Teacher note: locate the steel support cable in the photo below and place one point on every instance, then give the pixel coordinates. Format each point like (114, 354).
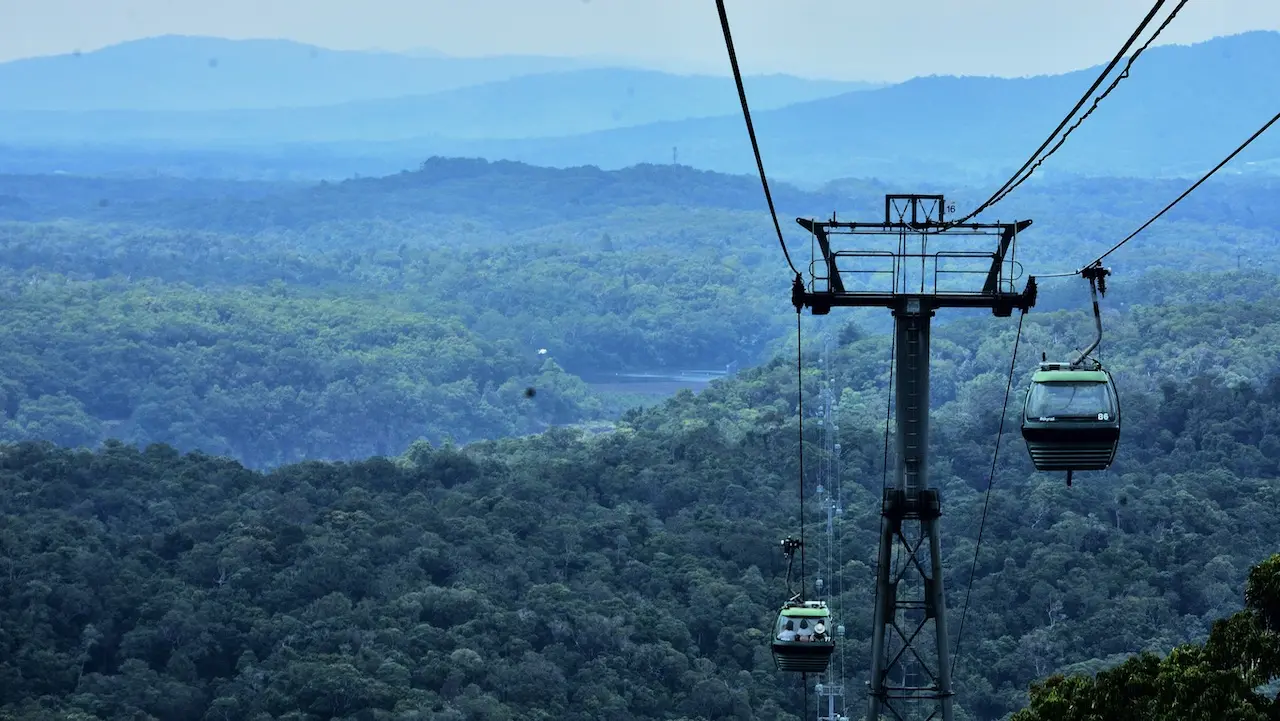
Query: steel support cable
(1169, 207)
(804, 677)
(800, 413)
(884, 475)
(888, 412)
(839, 529)
(1186, 192)
(804, 683)
(1123, 74)
(1079, 104)
(751, 131)
(991, 477)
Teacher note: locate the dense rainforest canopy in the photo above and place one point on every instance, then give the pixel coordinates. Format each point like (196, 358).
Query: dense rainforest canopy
(265, 322)
(318, 505)
(630, 574)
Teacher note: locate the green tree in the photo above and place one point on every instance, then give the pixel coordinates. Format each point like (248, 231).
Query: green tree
(1215, 680)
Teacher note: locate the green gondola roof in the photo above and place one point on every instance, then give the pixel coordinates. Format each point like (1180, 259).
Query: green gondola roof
(1065, 376)
(799, 612)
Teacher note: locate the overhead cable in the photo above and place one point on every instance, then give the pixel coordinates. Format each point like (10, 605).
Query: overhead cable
(1107, 71)
(1188, 191)
(991, 478)
(1123, 74)
(751, 131)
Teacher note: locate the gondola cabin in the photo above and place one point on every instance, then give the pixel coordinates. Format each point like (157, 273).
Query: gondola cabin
(1071, 418)
(802, 638)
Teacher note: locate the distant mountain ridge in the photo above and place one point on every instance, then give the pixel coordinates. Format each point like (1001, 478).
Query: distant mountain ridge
(534, 105)
(1182, 109)
(178, 72)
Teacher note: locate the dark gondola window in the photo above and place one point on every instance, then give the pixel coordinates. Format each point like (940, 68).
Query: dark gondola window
(1088, 399)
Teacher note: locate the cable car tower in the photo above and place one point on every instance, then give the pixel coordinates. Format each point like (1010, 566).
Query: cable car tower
(921, 264)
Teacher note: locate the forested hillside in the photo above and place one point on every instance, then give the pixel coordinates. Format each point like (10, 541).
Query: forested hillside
(268, 376)
(267, 321)
(631, 574)
(568, 575)
(1231, 675)
(565, 575)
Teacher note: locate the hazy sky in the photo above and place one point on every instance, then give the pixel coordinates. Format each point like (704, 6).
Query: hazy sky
(854, 39)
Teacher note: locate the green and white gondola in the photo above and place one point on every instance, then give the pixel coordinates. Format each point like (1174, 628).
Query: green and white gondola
(802, 638)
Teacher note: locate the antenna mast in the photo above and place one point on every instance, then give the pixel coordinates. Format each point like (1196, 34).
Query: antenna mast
(830, 687)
